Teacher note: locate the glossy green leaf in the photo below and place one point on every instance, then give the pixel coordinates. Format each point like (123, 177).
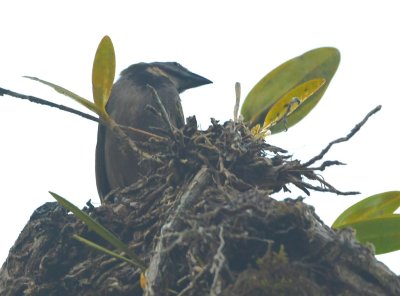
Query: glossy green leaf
(317, 63)
(103, 73)
(99, 229)
(292, 100)
(383, 233)
(375, 206)
(70, 94)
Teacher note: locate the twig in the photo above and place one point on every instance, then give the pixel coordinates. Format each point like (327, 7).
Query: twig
(192, 283)
(159, 261)
(219, 261)
(142, 132)
(326, 164)
(117, 130)
(47, 103)
(355, 129)
(328, 188)
(237, 102)
(73, 111)
(164, 113)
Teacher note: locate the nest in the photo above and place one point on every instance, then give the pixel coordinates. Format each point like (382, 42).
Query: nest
(205, 223)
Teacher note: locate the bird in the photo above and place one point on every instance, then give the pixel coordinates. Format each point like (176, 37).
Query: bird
(128, 106)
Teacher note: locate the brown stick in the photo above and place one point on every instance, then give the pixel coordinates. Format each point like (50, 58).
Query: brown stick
(73, 111)
(47, 103)
(355, 129)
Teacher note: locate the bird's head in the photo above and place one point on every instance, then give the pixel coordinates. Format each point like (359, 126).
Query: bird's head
(181, 77)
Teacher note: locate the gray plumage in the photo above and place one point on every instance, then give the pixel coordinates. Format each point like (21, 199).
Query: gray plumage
(117, 167)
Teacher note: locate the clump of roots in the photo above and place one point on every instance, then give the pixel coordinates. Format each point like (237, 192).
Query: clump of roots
(205, 216)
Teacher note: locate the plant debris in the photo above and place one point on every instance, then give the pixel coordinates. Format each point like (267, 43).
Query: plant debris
(205, 224)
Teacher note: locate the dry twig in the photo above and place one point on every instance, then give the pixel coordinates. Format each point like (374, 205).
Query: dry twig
(355, 129)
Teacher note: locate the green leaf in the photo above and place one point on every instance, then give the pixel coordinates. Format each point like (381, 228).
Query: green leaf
(103, 73)
(99, 229)
(102, 249)
(291, 101)
(375, 206)
(317, 63)
(66, 92)
(383, 233)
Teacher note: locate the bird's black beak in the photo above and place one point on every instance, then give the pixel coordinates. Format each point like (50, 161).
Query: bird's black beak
(191, 80)
(183, 77)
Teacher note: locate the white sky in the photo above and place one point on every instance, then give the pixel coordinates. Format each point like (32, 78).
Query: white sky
(45, 149)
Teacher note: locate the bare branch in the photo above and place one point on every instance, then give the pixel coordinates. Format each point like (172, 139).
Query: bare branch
(73, 111)
(47, 103)
(355, 129)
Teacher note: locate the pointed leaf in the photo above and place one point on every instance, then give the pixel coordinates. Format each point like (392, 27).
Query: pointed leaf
(102, 249)
(375, 206)
(383, 233)
(99, 229)
(317, 63)
(103, 73)
(92, 107)
(291, 101)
